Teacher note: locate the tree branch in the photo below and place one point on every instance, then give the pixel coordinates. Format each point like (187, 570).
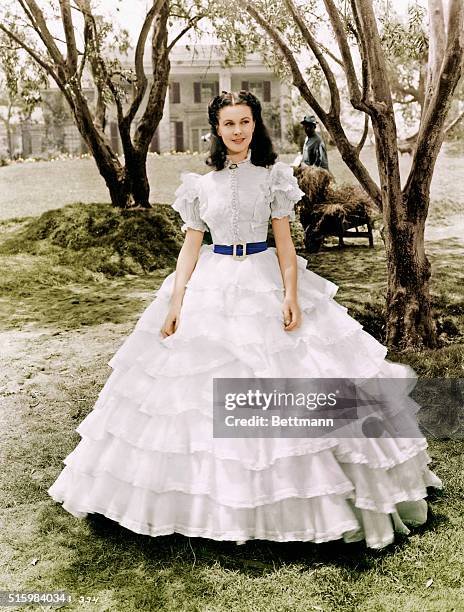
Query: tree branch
(364, 134)
(68, 27)
(190, 25)
(453, 123)
(298, 79)
(348, 66)
(380, 87)
(28, 14)
(437, 41)
(431, 131)
(330, 122)
(161, 66)
(33, 53)
(40, 26)
(99, 69)
(329, 75)
(328, 52)
(362, 46)
(100, 105)
(141, 84)
(381, 105)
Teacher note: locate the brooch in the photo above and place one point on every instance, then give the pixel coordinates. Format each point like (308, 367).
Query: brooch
(233, 166)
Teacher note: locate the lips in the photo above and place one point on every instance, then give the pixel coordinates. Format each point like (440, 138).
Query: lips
(239, 141)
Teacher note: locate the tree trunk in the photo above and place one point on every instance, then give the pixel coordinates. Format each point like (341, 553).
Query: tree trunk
(128, 185)
(409, 314)
(126, 190)
(136, 171)
(410, 322)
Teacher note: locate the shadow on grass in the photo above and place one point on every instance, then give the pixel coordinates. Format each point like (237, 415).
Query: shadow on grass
(176, 572)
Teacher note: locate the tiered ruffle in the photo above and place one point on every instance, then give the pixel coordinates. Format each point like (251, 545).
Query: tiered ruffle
(148, 459)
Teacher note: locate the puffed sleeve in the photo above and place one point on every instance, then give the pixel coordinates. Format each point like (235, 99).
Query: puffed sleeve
(285, 192)
(187, 202)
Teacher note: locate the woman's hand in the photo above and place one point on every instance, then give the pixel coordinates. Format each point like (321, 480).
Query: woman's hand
(171, 322)
(186, 262)
(292, 313)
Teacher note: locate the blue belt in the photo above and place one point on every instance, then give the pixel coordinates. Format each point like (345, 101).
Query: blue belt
(239, 250)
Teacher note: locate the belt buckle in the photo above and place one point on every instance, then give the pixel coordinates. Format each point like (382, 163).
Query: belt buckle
(234, 250)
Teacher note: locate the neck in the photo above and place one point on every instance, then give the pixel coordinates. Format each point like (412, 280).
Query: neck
(237, 157)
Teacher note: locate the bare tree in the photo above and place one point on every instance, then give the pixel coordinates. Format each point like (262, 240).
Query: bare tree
(410, 322)
(128, 183)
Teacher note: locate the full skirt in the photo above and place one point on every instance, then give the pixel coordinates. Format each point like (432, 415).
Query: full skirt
(148, 459)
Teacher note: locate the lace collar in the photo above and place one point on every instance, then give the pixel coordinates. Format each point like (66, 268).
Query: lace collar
(229, 162)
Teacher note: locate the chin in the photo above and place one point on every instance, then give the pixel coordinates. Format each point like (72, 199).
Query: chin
(238, 148)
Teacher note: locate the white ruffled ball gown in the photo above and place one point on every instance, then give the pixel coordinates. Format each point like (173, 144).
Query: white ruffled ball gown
(148, 459)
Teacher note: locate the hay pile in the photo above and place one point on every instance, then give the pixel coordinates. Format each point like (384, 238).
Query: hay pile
(101, 238)
(326, 207)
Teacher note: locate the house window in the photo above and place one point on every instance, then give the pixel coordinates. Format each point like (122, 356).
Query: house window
(203, 91)
(175, 92)
(197, 143)
(261, 89)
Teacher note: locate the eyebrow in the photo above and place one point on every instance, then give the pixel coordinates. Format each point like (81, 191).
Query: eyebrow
(245, 117)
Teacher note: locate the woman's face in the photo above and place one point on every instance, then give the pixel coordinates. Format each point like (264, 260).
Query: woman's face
(236, 127)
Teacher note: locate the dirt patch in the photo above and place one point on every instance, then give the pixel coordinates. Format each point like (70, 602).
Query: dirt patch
(49, 381)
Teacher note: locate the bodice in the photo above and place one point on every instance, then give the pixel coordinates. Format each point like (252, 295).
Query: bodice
(235, 203)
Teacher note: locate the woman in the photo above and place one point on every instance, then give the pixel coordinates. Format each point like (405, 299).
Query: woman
(148, 458)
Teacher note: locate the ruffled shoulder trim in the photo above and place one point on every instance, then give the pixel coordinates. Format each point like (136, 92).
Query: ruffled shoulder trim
(285, 192)
(280, 171)
(187, 201)
(189, 187)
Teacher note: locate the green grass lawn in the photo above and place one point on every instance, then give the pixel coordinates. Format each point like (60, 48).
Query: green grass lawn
(31, 188)
(62, 320)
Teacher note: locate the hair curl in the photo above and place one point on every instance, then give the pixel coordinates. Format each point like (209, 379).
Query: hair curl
(262, 150)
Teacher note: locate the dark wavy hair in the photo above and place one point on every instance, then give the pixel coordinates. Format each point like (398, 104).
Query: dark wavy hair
(262, 150)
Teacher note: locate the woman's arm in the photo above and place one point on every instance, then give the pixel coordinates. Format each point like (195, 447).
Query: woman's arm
(186, 262)
(288, 266)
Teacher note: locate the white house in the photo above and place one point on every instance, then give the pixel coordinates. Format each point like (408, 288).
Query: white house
(196, 78)
(197, 74)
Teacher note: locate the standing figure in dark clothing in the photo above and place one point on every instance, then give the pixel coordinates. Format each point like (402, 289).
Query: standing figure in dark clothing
(314, 151)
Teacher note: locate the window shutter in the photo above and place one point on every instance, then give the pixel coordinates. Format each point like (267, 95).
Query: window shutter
(176, 93)
(197, 91)
(216, 88)
(245, 85)
(179, 136)
(266, 91)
